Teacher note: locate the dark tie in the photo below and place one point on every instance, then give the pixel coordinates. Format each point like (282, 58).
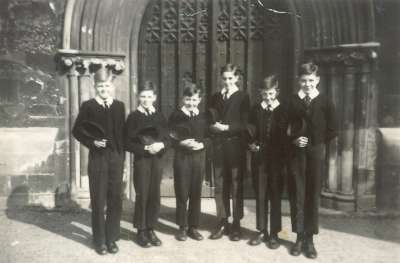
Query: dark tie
(225, 95)
(307, 100)
(147, 112)
(191, 114)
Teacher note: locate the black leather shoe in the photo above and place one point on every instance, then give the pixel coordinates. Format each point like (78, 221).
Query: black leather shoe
(259, 238)
(297, 247)
(101, 249)
(182, 234)
(222, 229)
(194, 234)
(142, 239)
(273, 242)
(112, 248)
(154, 240)
(309, 249)
(236, 234)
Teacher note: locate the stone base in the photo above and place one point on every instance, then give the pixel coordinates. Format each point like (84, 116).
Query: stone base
(338, 202)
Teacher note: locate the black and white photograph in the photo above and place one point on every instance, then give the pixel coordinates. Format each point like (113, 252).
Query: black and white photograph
(197, 131)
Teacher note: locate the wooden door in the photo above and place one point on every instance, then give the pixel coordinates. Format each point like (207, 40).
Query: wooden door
(194, 39)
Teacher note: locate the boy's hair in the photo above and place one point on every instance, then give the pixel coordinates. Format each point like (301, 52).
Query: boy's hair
(308, 69)
(270, 82)
(148, 86)
(231, 68)
(190, 89)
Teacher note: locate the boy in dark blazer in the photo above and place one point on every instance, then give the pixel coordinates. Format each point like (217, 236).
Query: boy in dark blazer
(189, 126)
(146, 136)
(267, 146)
(104, 138)
(231, 106)
(312, 123)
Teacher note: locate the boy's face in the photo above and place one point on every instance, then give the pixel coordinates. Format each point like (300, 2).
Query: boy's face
(192, 102)
(104, 90)
(308, 83)
(147, 98)
(229, 79)
(269, 95)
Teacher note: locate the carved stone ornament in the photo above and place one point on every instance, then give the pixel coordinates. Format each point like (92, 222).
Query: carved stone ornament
(89, 62)
(351, 54)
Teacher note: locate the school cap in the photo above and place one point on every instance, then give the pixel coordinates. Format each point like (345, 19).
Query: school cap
(92, 130)
(181, 132)
(148, 135)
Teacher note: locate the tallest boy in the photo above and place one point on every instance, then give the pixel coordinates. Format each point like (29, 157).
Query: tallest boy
(312, 124)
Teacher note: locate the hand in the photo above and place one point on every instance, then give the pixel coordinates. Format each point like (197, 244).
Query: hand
(219, 127)
(301, 142)
(197, 146)
(156, 147)
(187, 143)
(100, 143)
(254, 147)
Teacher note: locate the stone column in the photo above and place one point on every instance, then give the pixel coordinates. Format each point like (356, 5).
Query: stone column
(77, 68)
(351, 84)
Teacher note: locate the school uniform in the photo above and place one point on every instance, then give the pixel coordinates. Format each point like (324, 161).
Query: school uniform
(306, 165)
(147, 172)
(188, 166)
(229, 149)
(270, 124)
(105, 165)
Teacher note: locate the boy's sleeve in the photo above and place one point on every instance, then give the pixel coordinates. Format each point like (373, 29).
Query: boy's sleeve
(239, 126)
(165, 130)
(331, 117)
(77, 129)
(172, 122)
(131, 143)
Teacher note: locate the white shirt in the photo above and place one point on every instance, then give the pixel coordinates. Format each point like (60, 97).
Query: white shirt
(187, 112)
(313, 94)
(107, 102)
(273, 105)
(150, 110)
(228, 92)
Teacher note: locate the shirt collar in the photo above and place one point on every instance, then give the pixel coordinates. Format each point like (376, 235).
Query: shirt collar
(314, 93)
(187, 112)
(151, 110)
(229, 92)
(273, 105)
(104, 103)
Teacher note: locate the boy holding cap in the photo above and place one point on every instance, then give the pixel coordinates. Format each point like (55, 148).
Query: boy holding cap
(99, 126)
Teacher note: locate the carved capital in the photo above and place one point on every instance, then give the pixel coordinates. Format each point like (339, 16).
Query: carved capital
(89, 62)
(348, 55)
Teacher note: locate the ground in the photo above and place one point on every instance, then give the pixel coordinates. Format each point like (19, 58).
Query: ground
(38, 236)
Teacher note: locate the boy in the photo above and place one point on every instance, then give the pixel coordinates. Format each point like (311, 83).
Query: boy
(146, 137)
(231, 106)
(269, 120)
(312, 123)
(189, 161)
(106, 158)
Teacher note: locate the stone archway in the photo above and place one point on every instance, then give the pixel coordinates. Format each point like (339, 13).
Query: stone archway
(338, 35)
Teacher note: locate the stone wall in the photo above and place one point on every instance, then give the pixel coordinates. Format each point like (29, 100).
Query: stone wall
(32, 114)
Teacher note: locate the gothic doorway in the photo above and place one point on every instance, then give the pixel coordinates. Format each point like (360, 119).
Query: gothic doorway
(195, 38)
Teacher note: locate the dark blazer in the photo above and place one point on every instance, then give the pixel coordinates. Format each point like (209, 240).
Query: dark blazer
(92, 111)
(320, 119)
(197, 125)
(233, 112)
(135, 122)
(277, 140)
